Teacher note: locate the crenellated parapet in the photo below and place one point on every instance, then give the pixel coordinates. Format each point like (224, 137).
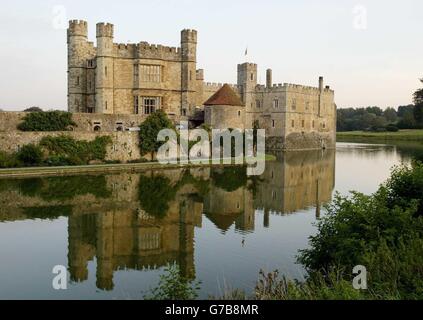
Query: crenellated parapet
(146, 50)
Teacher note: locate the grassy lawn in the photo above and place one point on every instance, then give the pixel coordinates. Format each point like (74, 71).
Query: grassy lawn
(409, 135)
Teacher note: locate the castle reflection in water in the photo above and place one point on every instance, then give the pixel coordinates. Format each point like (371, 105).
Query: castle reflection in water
(147, 220)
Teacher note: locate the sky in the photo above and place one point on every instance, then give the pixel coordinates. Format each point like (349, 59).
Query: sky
(370, 51)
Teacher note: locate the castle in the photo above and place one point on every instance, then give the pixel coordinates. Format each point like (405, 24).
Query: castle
(138, 79)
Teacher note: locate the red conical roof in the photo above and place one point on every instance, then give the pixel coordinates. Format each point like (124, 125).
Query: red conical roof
(225, 96)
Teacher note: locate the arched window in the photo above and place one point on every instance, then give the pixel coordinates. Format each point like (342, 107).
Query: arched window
(97, 128)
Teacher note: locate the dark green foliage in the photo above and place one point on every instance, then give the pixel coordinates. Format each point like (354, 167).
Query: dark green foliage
(392, 128)
(230, 178)
(406, 186)
(58, 188)
(33, 109)
(173, 286)
(64, 150)
(150, 129)
(47, 121)
(374, 119)
(51, 213)
(383, 232)
(155, 193)
(30, 155)
(9, 160)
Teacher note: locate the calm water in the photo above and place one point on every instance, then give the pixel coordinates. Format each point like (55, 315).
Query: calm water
(116, 233)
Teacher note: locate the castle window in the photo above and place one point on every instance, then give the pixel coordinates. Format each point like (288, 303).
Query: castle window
(239, 113)
(324, 125)
(252, 76)
(105, 71)
(307, 105)
(136, 74)
(151, 73)
(136, 105)
(190, 75)
(294, 104)
(77, 81)
(273, 123)
(313, 124)
(258, 104)
(184, 112)
(276, 103)
(151, 104)
(293, 123)
(303, 123)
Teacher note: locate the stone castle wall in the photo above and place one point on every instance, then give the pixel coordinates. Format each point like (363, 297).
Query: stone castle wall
(124, 147)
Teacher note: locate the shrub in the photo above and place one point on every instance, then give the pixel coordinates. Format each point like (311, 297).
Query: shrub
(65, 150)
(173, 286)
(30, 155)
(392, 128)
(47, 121)
(8, 160)
(383, 232)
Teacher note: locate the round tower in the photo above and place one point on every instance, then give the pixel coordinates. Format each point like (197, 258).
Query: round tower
(105, 68)
(77, 41)
(189, 69)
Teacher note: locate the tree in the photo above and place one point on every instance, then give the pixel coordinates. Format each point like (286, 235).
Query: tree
(149, 131)
(33, 109)
(390, 115)
(418, 109)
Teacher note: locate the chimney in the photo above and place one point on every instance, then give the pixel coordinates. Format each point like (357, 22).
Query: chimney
(321, 83)
(269, 78)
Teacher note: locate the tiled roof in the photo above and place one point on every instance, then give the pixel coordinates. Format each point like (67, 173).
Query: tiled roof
(225, 96)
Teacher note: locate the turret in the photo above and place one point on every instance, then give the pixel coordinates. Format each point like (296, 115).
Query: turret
(77, 35)
(247, 82)
(321, 84)
(105, 68)
(189, 72)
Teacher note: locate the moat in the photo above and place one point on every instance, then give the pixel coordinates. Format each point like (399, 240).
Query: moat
(116, 233)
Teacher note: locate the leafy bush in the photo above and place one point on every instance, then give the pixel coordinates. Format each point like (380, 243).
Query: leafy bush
(9, 160)
(173, 286)
(392, 128)
(65, 150)
(47, 121)
(383, 232)
(30, 155)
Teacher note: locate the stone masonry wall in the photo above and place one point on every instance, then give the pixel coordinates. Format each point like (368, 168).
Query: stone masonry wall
(124, 147)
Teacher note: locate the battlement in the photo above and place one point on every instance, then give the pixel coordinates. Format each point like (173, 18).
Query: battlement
(78, 28)
(157, 51)
(247, 64)
(189, 35)
(290, 86)
(218, 85)
(105, 30)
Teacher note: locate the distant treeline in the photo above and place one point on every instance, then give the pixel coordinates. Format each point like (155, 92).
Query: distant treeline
(376, 119)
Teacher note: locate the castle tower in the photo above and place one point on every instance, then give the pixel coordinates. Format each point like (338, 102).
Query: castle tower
(247, 81)
(77, 35)
(188, 72)
(104, 80)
